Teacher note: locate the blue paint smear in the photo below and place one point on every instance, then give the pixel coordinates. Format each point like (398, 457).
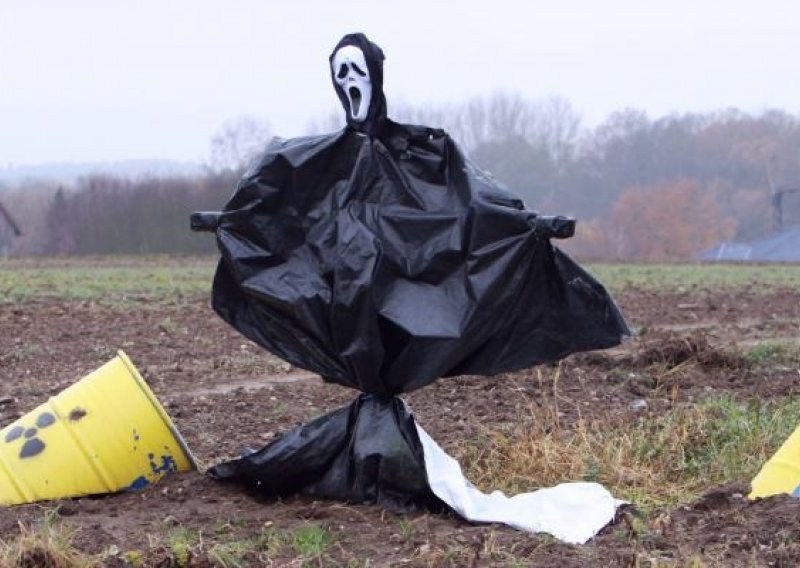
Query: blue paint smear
(168, 464)
(138, 484)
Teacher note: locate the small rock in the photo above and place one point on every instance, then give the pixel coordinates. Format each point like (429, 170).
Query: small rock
(639, 404)
(67, 510)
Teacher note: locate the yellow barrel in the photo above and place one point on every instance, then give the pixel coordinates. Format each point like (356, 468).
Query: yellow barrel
(105, 433)
(781, 473)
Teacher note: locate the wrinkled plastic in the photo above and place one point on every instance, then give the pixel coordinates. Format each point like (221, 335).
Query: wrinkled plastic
(366, 452)
(373, 452)
(380, 258)
(385, 263)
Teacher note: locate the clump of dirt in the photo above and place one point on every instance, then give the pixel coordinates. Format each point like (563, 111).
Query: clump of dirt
(727, 529)
(37, 557)
(668, 349)
(671, 349)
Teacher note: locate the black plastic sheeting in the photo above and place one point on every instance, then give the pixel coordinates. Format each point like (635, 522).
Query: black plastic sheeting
(380, 258)
(366, 452)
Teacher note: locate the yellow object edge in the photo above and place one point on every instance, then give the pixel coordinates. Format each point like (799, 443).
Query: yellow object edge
(781, 472)
(160, 409)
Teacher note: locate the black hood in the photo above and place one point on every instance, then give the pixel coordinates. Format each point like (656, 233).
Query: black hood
(374, 57)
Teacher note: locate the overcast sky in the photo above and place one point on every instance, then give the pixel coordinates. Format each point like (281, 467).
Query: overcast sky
(99, 80)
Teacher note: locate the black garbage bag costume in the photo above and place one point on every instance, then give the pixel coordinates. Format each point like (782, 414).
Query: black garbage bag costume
(383, 260)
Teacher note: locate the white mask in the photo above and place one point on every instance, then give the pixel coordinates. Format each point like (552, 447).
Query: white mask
(351, 74)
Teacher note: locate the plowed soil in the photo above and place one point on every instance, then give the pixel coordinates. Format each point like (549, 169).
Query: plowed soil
(225, 393)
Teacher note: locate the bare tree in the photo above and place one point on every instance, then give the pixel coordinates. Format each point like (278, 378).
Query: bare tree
(559, 127)
(238, 142)
(332, 121)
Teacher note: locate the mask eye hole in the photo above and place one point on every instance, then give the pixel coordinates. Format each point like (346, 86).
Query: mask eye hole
(358, 70)
(342, 71)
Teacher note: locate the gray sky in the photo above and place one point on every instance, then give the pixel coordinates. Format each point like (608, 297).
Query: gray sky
(96, 80)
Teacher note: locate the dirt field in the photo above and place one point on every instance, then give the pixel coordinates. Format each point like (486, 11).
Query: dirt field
(224, 393)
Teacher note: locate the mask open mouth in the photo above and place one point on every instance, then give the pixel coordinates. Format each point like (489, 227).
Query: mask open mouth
(355, 99)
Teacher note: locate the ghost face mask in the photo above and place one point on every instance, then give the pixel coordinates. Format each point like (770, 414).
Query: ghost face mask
(352, 75)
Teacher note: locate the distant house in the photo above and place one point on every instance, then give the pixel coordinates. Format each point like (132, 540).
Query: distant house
(781, 247)
(8, 230)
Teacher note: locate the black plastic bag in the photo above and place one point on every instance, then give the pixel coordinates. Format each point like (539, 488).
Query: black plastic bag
(382, 259)
(366, 452)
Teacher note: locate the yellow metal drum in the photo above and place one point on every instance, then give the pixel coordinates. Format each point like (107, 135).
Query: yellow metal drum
(105, 433)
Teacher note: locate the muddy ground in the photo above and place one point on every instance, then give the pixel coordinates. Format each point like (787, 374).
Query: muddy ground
(224, 394)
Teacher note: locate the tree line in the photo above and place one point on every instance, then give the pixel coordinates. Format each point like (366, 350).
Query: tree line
(642, 188)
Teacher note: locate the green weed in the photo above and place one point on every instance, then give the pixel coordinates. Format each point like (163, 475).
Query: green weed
(231, 554)
(134, 557)
(310, 541)
(167, 326)
(271, 541)
(182, 544)
(407, 529)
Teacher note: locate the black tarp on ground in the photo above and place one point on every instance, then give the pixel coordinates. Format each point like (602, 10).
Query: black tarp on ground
(380, 258)
(366, 452)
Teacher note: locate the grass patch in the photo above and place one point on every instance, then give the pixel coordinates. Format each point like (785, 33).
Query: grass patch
(121, 279)
(169, 282)
(224, 547)
(654, 461)
(311, 541)
(231, 554)
(774, 352)
(692, 276)
(184, 544)
(48, 543)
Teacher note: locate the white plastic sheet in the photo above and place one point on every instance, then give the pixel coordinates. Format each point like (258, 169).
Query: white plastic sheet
(572, 512)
